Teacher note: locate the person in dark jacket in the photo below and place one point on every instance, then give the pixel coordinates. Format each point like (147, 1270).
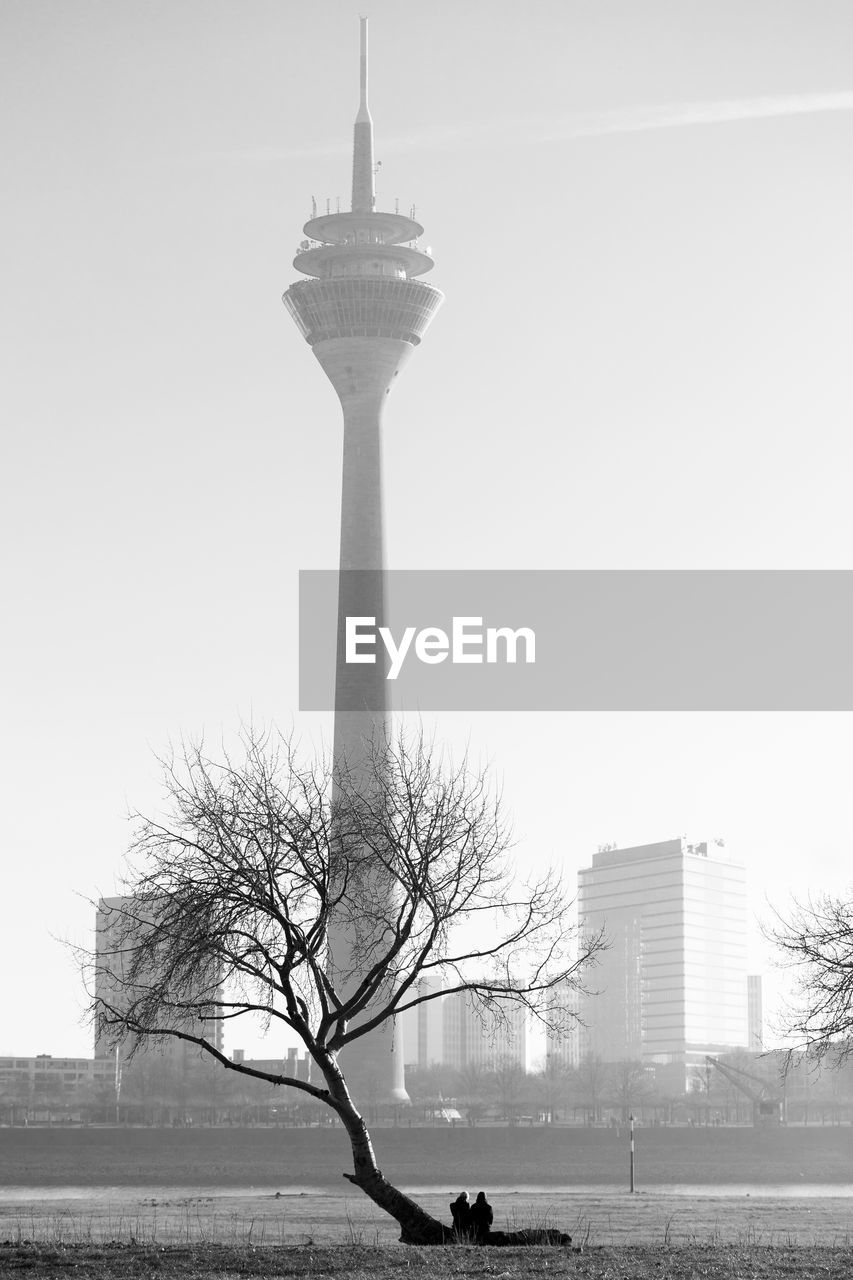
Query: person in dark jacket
(481, 1217)
(460, 1212)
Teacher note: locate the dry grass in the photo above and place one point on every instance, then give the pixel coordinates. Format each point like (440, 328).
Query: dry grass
(262, 1219)
(363, 1262)
(193, 1240)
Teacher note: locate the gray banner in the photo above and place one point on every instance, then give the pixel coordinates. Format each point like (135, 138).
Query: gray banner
(656, 640)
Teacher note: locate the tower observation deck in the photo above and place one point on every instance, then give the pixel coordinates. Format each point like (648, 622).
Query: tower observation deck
(362, 263)
(363, 311)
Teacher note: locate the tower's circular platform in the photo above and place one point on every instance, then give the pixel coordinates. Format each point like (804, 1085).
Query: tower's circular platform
(372, 307)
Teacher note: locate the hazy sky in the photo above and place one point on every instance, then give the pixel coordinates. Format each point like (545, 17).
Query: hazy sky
(641, 217)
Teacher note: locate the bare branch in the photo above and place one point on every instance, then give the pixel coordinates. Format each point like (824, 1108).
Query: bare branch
(815, 942)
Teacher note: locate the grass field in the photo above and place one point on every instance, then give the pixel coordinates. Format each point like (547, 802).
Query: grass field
(593, 1219)
(738, 1262)
(282, 1158)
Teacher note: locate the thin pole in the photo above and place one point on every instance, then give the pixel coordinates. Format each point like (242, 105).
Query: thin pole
(631, 1129)
(118, 1084)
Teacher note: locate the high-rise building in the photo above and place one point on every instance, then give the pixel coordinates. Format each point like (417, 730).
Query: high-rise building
(430, 1024)
(474, 1038)
(562, 1039)
(112, 961)
(422, 1027)
(755, 1012)
(671, 985)
(113, 957)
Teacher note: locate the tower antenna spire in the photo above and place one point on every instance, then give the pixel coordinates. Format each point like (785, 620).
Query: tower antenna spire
(363, 110)
(363, 193)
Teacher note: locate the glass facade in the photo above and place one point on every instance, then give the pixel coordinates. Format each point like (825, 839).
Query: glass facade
(373, 307)
(672, 984)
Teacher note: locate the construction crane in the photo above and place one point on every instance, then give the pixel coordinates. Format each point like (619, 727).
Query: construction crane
(768, 1106)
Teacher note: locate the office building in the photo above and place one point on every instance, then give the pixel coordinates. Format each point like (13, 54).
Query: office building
(474, 1037)
(671, 985)
(422, 1027)
(562, 1039)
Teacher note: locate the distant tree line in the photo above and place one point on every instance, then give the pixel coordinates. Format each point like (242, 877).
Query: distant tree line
(187, 1089)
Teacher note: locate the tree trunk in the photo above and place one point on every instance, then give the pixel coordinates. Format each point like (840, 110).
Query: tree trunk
(416, 1225)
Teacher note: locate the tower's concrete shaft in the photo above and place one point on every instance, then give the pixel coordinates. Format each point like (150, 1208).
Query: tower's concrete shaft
(363, 312)
(362, 371)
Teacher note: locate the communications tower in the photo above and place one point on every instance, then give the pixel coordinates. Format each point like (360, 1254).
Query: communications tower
(363, 311)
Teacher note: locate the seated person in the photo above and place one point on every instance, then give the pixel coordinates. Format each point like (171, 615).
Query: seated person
(460, 1212)
(481, 1217)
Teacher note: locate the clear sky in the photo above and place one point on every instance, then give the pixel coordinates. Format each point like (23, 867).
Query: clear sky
(641, 218)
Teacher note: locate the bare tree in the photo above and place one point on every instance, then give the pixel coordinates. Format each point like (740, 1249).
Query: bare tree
(591, 1079)
(629, 1084)
(552, 1085)
(431, 1087)
(816, 942)
(234, 892)
(509, 1079)
(474, 1087)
